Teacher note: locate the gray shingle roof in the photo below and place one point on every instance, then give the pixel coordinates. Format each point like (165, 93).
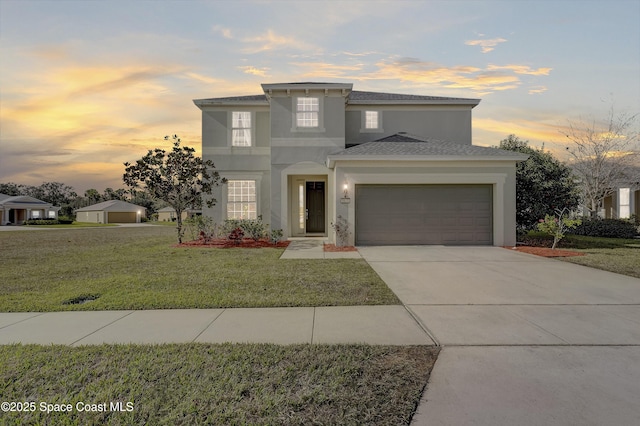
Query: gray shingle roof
(233, 99)
(413, 148)
(402, 137)
(357, 96)
(112, 205)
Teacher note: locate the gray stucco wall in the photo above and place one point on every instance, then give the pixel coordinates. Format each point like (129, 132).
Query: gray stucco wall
(443, 124)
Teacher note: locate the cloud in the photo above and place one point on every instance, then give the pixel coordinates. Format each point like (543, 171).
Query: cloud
(537, 90)
(262, 72)
(226, 32)
(486, 45)
(417, 72)
(271, 41)
(520, 69)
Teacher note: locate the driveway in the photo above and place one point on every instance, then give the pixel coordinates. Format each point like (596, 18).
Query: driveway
(526, 340)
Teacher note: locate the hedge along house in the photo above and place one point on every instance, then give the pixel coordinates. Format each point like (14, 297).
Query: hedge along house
(15, 210)
(168, 214)
(400, 169)
(112, 211)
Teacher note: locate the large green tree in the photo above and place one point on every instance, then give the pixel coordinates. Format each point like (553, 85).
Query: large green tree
(543, 184)
(177, 177)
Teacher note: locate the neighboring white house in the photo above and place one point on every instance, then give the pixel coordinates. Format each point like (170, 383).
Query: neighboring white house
(168, 214)
(112, 211)
(15, 209)
(622, 204)
(400, 169)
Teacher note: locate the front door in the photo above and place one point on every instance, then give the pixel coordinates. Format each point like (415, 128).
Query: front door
(315, 207)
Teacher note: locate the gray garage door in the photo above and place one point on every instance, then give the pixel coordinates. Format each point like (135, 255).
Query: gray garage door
(424, 214)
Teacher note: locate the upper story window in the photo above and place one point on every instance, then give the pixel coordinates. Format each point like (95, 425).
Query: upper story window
(371, 120)
(240, 128)
(308, 112)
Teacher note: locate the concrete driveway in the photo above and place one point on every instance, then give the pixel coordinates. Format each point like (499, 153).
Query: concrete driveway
(526, 340)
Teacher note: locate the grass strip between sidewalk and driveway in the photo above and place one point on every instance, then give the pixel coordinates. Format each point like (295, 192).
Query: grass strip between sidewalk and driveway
(216, 384)
(140, 268)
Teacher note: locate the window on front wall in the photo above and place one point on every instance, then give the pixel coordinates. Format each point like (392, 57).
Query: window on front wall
(308, 112)
(241, 128)
(371, 120)
(52, 214)
(241, 199)
(35, 214)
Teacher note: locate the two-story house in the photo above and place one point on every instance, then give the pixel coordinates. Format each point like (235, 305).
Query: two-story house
(400, 169)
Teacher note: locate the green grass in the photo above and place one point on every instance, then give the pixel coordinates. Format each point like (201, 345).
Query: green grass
(218, 384)
(73, 225)
(617, 255)
(139, 268)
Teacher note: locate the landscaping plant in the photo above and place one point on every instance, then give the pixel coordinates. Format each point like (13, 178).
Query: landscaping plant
(341, 228)
(558, 226)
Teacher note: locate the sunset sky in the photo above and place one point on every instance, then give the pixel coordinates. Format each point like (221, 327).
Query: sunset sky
(88, 85)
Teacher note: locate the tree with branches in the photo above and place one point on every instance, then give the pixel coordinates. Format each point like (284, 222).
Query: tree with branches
(603, 155)
(177, 177)
(543, 184)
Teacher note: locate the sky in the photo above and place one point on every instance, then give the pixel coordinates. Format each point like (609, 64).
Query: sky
(88, 85)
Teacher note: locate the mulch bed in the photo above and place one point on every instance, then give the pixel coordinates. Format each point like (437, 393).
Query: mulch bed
(546, 251)
(334, 248)
(225, 243)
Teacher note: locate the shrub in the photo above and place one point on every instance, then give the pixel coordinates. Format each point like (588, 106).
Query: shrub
(275, 235)
(253, 228)
(236, 235)
(341, 227)
(610, 228)
(202, 227)
(557, 227)
(65, 220)
(41, 222)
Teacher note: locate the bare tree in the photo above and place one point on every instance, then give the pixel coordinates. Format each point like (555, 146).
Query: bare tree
(603, 155)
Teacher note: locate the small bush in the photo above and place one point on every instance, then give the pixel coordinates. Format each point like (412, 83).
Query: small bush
(252, 228)
(236, 235)
(41, 222)
(610, 228)
(275, 235)
(341, 228)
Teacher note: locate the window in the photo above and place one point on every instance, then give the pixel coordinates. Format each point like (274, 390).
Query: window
(240, 128)
(371, 120)
(625, 203)
(35, 214)
(241, 199)
(308, 112)
(52, 214)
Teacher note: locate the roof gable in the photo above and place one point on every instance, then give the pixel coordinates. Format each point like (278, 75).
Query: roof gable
(113, 206)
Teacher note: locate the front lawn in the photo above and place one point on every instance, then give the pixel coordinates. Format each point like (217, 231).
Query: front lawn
(216, 384)
(139, 268)
(610, 254)
(618, 255)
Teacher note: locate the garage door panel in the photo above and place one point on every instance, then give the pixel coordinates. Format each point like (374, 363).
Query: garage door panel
(424, 214)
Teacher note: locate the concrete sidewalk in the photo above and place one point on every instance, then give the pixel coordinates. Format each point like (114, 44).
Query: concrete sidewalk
(312, 248)
(378, 325)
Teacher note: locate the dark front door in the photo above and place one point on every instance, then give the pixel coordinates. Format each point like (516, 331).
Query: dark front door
(315, 207)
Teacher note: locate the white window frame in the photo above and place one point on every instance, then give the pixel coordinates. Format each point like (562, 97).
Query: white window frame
(35, 214)
(246, 132)
(364, 122)
(51, 214)
(319, 127)
(249, 214)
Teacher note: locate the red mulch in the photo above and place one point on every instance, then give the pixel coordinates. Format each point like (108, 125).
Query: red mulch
(334, 248)
(546, 252)
(224, 243)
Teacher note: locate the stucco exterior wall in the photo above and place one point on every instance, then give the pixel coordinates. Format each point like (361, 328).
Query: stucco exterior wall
(448, 124)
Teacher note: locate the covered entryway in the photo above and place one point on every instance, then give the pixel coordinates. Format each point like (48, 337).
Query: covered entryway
(424, 214)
